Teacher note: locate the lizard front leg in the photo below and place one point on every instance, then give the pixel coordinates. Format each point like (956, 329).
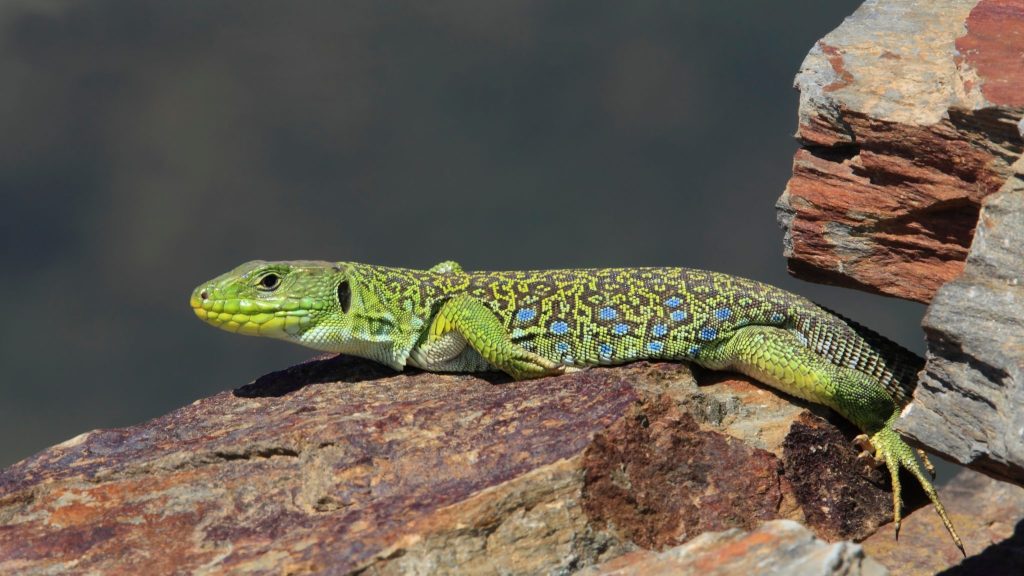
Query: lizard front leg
(779, 358)
(464, 321)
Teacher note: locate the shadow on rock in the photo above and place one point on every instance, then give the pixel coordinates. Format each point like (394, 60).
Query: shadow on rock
(1006, 557)
(319, 370)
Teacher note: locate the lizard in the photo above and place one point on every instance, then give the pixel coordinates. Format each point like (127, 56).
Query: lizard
(530, 324)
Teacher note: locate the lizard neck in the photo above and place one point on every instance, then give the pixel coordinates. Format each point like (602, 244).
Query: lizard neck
(388, 313)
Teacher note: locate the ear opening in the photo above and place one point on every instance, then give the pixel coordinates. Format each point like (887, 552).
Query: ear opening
(344, 296)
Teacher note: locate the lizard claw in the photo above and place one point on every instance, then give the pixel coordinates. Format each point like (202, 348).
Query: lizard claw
(927, 463)
(863, 441)
(868, 456)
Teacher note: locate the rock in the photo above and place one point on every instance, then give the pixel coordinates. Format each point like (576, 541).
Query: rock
(911, 129)
(907, 121)
(989, 515)
(967, 406)
(776, 547)
(655, 479)
(341, 466)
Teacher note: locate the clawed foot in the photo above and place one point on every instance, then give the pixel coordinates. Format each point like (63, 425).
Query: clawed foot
(895, 453)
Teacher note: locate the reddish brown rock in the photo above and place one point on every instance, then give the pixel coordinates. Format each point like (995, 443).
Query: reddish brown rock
(987, 512)
(326, 475)
(908, 119)
(337, 466)
(910, 183)
(655, 477)
(991, 49)
(838, 502)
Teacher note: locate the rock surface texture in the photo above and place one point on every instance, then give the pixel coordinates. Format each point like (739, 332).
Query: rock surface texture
(910, 183)
(970, 401)
(777, 547)
(990, 511)
(908, 120)
(337, 466)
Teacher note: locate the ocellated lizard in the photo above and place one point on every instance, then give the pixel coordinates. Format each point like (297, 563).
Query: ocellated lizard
(539, 323)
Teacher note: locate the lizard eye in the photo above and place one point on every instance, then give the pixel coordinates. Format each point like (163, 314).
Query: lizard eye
(269, 282)
(344, 296)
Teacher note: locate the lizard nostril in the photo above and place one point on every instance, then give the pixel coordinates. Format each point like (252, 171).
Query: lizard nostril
(204, 294)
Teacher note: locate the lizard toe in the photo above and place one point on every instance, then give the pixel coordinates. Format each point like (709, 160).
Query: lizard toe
(898, 454)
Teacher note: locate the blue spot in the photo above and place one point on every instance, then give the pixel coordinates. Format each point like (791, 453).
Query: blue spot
(678, 315)
(655, 346)
(605, 350)
(607, 313)
(562, 347)
(723, 313)
(659, 330)
(777, 318)
(526, 314)
(694, 351)
(620, 329)
(559, 327)
(708, 333)
(673, 302)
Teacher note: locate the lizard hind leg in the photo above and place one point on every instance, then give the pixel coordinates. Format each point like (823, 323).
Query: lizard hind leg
(782, 360)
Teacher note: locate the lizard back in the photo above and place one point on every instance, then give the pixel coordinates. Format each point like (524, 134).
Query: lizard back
(611, 316)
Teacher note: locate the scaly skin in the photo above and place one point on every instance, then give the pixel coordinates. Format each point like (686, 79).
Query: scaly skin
(537, 323)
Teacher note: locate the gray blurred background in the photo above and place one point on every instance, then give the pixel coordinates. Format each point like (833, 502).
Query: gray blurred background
(148, 146)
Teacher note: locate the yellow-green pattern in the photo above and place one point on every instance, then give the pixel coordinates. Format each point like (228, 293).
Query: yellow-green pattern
(537, 323)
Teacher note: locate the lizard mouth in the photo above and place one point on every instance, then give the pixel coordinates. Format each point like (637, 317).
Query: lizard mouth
(249, 317)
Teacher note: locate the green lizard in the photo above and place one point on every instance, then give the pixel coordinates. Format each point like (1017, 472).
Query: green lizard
(540, 323)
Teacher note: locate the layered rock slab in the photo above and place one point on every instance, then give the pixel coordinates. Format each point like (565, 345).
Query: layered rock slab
(989, 511)
(908, 183)
(907, 121)
(969, 405)
(338, 466)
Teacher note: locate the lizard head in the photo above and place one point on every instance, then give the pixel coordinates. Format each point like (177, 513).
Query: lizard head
(306, 302)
